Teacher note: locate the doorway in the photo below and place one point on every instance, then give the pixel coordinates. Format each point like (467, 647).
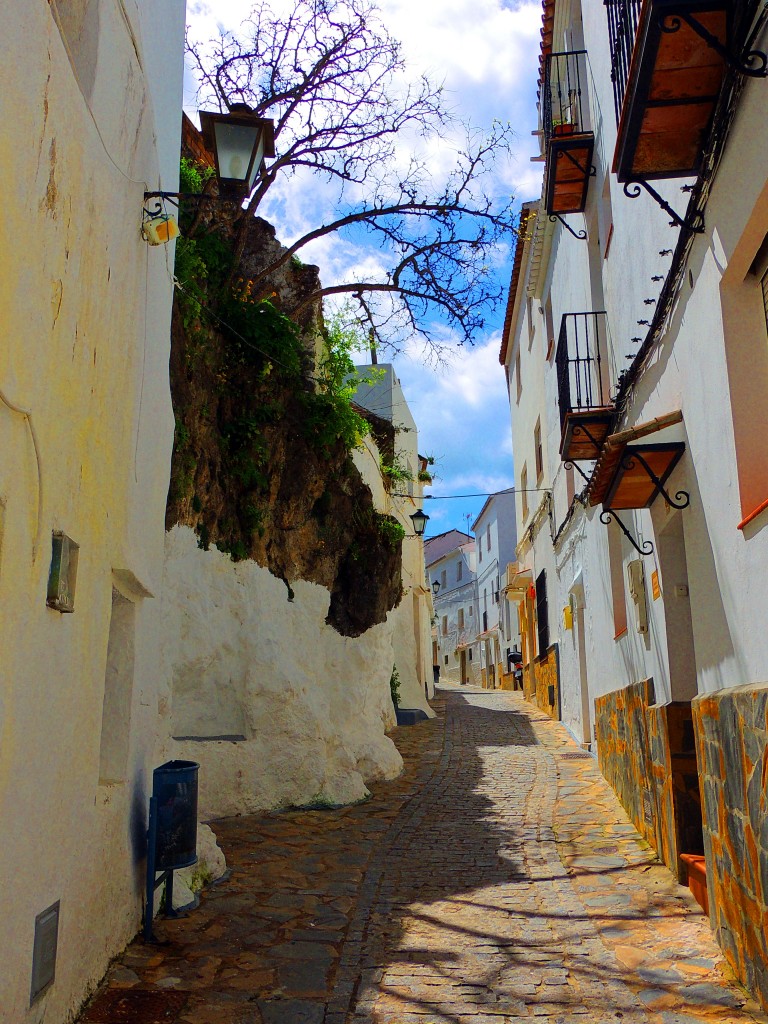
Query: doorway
(671, 584)
(577, 606)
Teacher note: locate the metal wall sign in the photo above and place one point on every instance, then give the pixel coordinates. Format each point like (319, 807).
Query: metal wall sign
(44, 951)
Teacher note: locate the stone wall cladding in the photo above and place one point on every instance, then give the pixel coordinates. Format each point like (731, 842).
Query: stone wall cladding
(731, 729)
(660, 767)
(647, 753)
(547, 674)
(621, 731)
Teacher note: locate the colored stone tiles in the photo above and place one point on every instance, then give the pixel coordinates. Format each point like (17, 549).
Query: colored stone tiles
(496, 881)
(621, 730)
(732, 746)
(548, 683)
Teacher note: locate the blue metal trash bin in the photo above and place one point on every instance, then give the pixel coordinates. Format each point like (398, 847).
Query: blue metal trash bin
(174, 786)
(172, 832)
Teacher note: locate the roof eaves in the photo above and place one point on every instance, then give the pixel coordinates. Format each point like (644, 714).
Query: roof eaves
(527, 213)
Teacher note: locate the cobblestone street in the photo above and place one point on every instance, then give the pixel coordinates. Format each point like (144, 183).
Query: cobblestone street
(496, 881)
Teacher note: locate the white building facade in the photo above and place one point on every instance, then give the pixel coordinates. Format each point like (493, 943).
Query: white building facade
(451, 572)
(498, 629)
(636, 354)
(93, 92)
(411, 620)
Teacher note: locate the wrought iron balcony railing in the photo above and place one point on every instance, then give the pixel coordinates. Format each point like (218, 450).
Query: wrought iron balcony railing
(623, 16)
(564, 94)
(579, 364)
(586, 414)
(669, 62)
(568, 138)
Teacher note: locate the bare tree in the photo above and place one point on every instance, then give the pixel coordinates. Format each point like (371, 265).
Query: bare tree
(332, 79)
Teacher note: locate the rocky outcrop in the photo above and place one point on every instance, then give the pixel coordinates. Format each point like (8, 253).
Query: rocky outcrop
(261, 466)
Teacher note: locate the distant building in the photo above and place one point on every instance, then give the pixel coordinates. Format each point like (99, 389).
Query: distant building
(402, 496)
(450, 559)
(497, 629)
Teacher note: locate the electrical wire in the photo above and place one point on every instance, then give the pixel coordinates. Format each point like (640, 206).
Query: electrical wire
(480, 494)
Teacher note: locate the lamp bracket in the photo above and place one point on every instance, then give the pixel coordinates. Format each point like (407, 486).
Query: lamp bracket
(157, 199)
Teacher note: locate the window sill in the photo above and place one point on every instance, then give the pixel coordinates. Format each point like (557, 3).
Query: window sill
(753, 515)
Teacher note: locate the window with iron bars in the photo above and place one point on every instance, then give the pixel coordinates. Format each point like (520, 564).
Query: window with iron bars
(542, 612)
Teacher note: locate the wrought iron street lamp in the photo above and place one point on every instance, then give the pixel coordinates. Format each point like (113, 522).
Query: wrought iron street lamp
(240, 142)
(419, 520)
(435, 586)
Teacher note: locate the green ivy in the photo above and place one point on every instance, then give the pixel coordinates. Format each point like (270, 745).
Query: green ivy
(394, 686)
(394, 470)
(389, 529)
(192, 176)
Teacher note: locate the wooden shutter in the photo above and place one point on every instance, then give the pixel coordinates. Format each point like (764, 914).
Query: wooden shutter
(542, 613)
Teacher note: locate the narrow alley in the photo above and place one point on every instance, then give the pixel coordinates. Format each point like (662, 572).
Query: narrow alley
(497, 880)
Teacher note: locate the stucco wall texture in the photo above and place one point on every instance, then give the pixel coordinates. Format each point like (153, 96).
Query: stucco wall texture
(85, 307)
(276, 706)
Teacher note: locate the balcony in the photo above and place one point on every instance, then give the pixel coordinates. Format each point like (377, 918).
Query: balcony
(668, 61)
(568, 141)
(586, 416)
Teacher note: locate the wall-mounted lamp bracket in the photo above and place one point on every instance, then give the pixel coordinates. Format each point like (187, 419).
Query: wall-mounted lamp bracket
(158, 199)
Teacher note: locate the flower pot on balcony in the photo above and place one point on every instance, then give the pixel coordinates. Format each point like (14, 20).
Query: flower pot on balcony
(563, 129)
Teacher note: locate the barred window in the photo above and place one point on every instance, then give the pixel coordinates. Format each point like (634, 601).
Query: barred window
(542, 612)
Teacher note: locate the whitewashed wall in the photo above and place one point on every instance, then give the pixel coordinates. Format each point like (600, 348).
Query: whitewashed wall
(277, 707)
(696, 370)
(85, 307)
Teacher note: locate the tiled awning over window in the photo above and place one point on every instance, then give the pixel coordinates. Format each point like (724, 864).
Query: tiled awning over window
(621, 479)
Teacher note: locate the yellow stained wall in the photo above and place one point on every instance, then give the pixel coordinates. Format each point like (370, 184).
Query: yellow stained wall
(85, 311)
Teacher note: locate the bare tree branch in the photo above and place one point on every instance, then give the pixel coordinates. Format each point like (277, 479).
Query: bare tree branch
(332, 79)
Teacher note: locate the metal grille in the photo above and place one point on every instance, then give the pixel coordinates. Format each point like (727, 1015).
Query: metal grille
(623, 16)
(578, 362)
(564, 102)
(576, 755)
(542, 612)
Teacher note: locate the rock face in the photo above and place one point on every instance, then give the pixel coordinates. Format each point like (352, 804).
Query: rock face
(278, 708)
(262, 465)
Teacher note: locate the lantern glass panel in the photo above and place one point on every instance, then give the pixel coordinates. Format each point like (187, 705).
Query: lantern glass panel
(235, 150)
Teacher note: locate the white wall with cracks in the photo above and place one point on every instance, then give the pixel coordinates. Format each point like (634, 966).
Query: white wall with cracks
(277, 707)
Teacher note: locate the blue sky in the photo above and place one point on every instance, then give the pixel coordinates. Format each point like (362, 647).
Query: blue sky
(486, 53)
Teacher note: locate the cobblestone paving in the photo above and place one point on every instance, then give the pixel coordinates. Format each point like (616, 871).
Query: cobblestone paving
(497, 881)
